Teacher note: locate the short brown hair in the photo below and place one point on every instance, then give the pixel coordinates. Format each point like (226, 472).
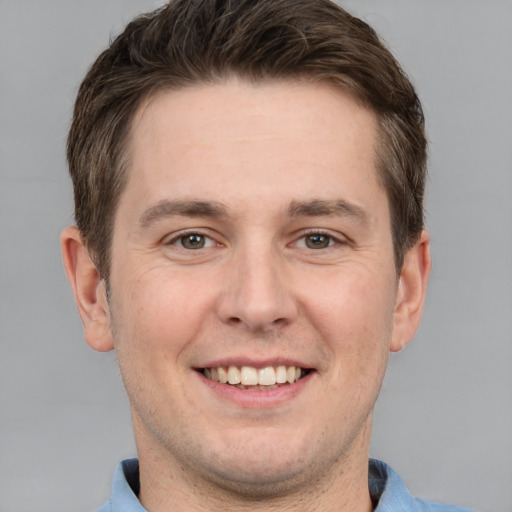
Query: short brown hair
(201, 41)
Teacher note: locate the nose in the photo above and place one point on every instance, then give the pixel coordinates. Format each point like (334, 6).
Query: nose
(257, 292)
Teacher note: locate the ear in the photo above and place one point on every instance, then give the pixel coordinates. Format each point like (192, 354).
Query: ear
(89, 290)
(412, 288)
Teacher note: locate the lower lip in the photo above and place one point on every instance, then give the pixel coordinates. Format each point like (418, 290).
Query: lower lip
(258, 398)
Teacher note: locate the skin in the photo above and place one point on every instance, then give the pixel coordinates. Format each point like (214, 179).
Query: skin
(275, 163)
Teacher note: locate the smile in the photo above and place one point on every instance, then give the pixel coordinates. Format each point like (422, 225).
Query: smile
(248, 377)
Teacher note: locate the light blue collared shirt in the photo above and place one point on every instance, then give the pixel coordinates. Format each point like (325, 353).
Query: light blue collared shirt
(386, 488)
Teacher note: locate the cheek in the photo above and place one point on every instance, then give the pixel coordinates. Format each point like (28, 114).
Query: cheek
(354, 315)
(160, 312)
(154, 320)
(354, 303)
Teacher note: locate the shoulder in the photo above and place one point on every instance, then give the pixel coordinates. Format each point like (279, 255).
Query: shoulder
(391, 494)
(106, 508)
(432, 506)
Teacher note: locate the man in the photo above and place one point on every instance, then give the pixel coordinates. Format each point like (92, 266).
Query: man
(248, 183)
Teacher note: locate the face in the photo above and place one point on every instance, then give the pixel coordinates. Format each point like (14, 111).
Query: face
(254, 297)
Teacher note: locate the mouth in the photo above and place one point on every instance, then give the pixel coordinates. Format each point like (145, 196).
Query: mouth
(251, 378)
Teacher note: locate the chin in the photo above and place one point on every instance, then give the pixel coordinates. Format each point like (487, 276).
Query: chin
(259, 479)
(270, 469)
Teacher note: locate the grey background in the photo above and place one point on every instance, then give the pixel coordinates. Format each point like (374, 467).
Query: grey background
(444, 420)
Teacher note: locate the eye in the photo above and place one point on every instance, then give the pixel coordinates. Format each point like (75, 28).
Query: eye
(316, 241)
(193, 241)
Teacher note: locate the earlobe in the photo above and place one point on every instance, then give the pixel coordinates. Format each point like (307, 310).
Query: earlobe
(89, 290)
(412, 288)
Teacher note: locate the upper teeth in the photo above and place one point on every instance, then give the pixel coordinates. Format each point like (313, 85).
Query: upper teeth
(249, 376)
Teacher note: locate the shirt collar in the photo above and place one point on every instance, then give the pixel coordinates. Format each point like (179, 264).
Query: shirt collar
(388, 490)
(125, 487)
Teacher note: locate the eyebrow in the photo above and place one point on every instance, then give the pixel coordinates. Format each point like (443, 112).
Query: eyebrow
(322, 208)
(195, 208)
(168, 208)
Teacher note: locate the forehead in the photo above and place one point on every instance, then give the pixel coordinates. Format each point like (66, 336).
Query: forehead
(235, 138)
(237, 108)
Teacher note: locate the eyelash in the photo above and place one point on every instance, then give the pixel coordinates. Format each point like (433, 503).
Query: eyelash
(178, 239)
(332, 240)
